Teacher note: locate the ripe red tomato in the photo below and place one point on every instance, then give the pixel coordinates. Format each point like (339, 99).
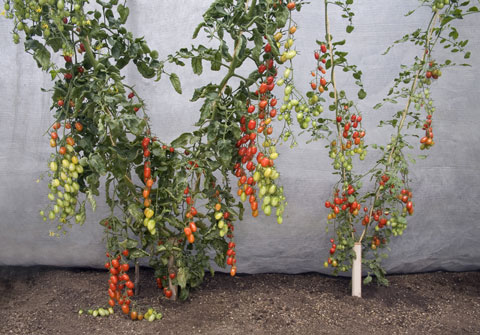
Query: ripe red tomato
(168, 293)
(115, 263)
(193, 226)
(114, 279)
(78, 126)
(125, 309)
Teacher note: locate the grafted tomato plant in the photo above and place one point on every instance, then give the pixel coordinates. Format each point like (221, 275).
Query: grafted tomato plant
(171, 203)
(371, 217)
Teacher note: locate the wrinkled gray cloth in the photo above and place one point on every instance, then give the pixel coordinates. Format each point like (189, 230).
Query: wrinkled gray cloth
(442, 235)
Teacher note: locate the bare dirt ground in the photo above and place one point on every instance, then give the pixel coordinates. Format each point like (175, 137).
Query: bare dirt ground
(43, 300)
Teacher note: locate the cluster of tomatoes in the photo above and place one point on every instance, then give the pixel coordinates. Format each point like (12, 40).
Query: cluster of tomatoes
(231, 260)
(166, 289)
(377, 241)
(427, 140)
(120, 287)
(320, 82)
(223, 224)
(406, 197)
(350, 127)
(148, 221)
(65, 168)
(342, 203)
(191, 227)
(439, 4)
(257, 121)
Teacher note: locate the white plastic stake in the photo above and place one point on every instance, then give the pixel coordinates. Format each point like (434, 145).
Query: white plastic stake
(357, 271)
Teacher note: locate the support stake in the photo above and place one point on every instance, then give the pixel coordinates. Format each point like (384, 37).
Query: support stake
(357, 271)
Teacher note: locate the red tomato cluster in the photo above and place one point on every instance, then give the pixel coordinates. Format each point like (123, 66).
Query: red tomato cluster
(342, 204)
(120, 287)
(231, 260)
(406, 197)
(427, 140)
(320, 82)
(433, 72)
(257, 121)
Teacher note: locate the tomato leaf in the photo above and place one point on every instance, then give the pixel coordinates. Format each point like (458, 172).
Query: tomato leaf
(197, 65)
(176, 83)
(362, 94)
(145, 70)
(92, 200)
(128, 243)
(136, 212)
(97, 163)
(134, 124)
(182, 140)
(123, 11)
(138, 253)
(182, 277)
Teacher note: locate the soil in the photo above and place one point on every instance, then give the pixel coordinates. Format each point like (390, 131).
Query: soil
(44, 300)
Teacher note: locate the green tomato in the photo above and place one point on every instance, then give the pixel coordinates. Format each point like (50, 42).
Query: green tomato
(53, 166)
(51, 215)
(274, 155)
(288, 90)
(291, 54)
(263, 191)
(279, 219)
(151, 225)
(60, 6)
(51, 196)
(267, 210)
(218, 216)
(272, 189)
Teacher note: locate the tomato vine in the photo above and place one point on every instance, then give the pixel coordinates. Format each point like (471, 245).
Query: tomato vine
(174, 203)
(387, 207)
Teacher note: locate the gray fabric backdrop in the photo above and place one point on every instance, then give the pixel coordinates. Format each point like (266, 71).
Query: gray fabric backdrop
(442, 234)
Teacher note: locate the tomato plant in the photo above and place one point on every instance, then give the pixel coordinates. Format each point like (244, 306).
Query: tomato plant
(169, 202)
(372, 217)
